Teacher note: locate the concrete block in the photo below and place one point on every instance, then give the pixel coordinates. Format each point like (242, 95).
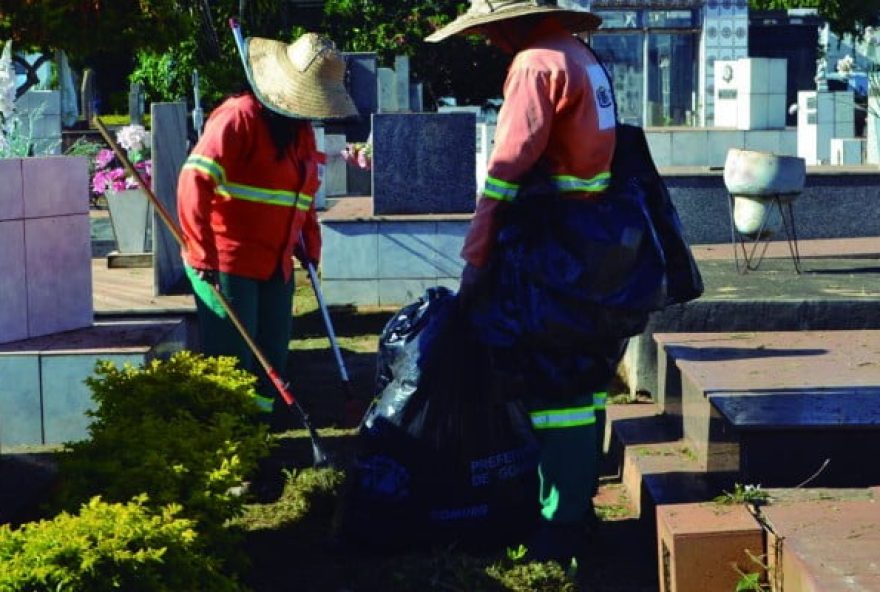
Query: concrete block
(689, 148)
(58, 262)
(720, 142)
(11, 195)
(55, 186)
(847, 151)
(355, 250)
(448, 243)
(335, 178)
(407, 250)
(66, 398)
(20, 409)
(13, 282)
(776, 111)
(387, 88)
(351, 292)
(660, 145)
(698, 546)
(397, 292)
(763, 141)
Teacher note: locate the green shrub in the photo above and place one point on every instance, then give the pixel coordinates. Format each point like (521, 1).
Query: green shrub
(108, 547)
(182, 431)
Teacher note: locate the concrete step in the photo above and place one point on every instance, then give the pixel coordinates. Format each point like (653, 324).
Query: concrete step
(773, 406)
(654, 465)
(823, 541)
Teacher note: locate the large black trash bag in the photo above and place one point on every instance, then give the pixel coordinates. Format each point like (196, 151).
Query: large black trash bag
(632, 164)
(567, 273)
(445, 454)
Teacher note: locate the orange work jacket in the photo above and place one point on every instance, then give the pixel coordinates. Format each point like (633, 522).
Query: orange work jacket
(242, 209)
(558, 109)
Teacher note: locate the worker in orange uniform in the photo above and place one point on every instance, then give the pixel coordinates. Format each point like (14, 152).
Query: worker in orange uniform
(246, 196)
(558, 114)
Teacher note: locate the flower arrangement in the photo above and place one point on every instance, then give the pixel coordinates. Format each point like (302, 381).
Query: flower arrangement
(110, 175)
(358, 154)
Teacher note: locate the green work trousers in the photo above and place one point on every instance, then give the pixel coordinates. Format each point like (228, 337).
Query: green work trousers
(265, 308)
(571, 440)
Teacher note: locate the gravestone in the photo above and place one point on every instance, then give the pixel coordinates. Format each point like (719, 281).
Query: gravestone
(361, 84)
(169, 151)
(416, 97)
(136, 103)
(401, 72)
(335, 173)
(387, 89)
(414, 169)
(87, 95)
(823, 115)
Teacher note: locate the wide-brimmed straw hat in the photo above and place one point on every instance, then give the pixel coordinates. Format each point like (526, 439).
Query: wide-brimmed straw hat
(305, 79)
(483, 12)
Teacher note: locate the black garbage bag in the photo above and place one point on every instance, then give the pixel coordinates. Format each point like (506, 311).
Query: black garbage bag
(632, 164)
(446, 452)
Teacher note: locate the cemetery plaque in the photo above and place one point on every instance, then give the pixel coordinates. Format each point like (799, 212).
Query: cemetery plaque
(423, 163)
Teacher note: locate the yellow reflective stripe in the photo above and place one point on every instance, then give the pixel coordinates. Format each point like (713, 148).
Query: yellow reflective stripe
(599, 401)
(278, 197)
(264, 403)
(569, 183)
(563, 418)
(210, 167)
(499, 189)
(304, 202)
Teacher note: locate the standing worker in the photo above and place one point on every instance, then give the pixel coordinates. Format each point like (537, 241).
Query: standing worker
(246, 197)
(558, 117)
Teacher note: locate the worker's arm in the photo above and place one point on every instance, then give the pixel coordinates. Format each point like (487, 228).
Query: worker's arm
(521, 135)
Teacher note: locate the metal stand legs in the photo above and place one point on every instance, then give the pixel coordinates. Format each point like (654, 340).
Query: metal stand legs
(753, 246)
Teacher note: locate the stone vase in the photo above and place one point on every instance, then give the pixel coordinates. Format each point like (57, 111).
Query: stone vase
(129, 217)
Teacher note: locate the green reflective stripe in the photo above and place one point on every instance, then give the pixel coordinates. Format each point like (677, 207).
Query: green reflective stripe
(563, 418)
(500, 190)
(599, 401)
(568, 183)
(277, 197)
(304, 202)
(210, 167)
(264, 403)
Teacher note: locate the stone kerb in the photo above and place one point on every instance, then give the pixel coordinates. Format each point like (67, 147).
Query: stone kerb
(45, 249)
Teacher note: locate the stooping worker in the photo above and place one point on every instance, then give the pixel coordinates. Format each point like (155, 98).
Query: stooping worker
(246, 197)
(557, 114)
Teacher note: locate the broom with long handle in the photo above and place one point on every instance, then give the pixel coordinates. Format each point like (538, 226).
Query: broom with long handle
(320, 457)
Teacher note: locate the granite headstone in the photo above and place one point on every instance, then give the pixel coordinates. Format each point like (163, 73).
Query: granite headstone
(423, 163)
(169, 151)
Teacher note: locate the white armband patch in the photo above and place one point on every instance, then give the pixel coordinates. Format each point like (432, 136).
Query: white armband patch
(603, 96)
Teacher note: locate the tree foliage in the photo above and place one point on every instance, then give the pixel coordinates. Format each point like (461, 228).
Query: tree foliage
(466, 68)
(843, 16)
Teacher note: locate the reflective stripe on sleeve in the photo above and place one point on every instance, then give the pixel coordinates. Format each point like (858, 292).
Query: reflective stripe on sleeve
(264, 403)
(500, 190)
(599, 401)
(547, 419)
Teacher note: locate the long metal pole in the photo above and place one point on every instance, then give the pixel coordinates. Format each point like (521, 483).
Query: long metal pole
(282, 387)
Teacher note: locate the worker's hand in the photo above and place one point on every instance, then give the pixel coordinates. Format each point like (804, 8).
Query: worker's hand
(301, 254)
(474, 285)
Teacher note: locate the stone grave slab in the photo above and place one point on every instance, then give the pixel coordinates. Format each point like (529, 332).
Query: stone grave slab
(796, 367)
(416, 170)
(45, 400)
(827, 544)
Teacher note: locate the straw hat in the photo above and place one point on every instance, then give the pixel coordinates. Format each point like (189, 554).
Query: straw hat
(305, 79)
(483, 12)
